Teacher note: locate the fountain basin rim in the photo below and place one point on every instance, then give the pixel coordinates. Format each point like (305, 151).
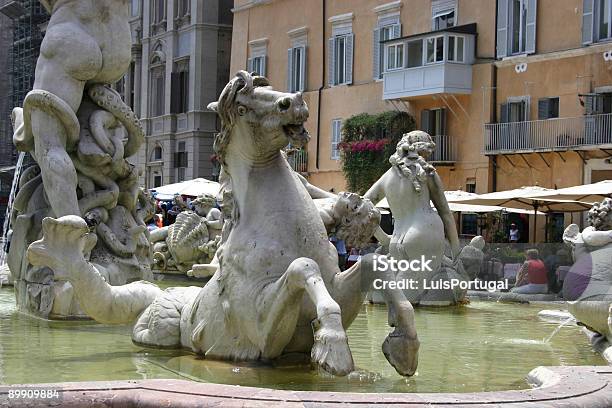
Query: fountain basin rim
(570, 385)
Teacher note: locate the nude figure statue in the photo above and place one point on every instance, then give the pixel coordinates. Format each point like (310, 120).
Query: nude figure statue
(86, 43)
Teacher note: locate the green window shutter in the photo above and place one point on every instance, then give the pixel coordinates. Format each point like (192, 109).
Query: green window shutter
(376, 53)
(331, 61)
(502, 28)
(532, 16)
(290, 70)
(349, 58)
(588, 8)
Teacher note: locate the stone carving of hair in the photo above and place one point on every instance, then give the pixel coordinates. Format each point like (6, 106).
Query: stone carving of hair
(419, 142)
(600, 215)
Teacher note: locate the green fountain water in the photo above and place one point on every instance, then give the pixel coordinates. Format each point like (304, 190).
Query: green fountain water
(483, 346)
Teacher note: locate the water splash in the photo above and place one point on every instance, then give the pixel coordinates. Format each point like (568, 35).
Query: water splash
(558, 329)
(9, 208)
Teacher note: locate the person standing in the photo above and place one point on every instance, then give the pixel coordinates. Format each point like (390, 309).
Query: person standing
(514, 235)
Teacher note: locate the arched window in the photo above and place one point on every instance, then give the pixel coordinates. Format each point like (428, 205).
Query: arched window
(158, 81)
(156, 153)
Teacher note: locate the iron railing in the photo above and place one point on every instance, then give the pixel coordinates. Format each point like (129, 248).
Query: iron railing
(446, 150)
(548, 135)
(298, 159)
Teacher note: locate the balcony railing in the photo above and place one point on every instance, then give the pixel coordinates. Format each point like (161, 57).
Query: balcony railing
(446, 150)
(430, 63)
(298, 160)
(579, 133)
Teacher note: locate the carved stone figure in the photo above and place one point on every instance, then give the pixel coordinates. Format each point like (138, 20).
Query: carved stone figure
(278, 288)
(419, 230)
(80, 133)
(588, 284)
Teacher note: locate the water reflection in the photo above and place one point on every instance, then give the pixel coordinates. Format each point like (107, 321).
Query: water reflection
(480, 347)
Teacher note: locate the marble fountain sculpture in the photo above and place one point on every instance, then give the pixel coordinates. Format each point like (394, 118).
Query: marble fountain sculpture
(193, 239)
(420, 230)
(277, 289)
(588, 283)
(81, 135)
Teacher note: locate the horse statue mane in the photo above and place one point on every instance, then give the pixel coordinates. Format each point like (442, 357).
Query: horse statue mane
(226, 108)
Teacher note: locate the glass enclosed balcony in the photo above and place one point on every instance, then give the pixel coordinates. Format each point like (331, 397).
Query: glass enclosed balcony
(430, 63)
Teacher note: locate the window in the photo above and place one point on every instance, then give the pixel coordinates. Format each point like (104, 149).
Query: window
(342, 59)
(180, 160)
(134, 7)
(433, 121)
(455, 50)
(548, 108)
(470, 185)
(159, 11)
(180, 88)
(257, 65)
(336, 139)
(182, 8)
(435, 49)
(395, 56)
(515, 111)
(383, 33)
(296, 69)
(598, 103)
(443, 14)
(132, 84)
(603, 20)
(516, 27)
(158, 85)
(156, 155)
(444, 19)
(415, 53)
(340, 51)
(157, 181)
(469, 224)
(596, 20)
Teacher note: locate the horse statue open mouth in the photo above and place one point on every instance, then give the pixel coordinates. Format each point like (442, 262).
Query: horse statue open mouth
(278, 288)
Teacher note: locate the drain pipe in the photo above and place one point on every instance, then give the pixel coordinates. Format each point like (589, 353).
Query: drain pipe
(494, 99)
(320, 91)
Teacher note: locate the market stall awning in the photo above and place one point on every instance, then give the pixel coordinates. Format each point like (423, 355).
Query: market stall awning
(588, 193)
(192, 188)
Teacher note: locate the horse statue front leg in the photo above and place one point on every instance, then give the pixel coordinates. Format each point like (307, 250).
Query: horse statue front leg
(281, 304)
(401, 347)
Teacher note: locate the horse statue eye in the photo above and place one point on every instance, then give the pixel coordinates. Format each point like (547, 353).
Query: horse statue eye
(242, 110)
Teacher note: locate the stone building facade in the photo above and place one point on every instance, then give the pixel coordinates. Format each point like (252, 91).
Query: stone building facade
(180, 63)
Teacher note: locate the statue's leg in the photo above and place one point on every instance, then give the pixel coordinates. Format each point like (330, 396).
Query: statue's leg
(401, 346)
(159, 324)
(50, 137)
(63, 247)
(280, 308)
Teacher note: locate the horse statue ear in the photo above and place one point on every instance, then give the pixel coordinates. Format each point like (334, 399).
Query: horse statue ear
(213, 106)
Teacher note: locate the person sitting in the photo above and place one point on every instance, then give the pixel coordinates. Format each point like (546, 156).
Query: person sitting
(533, 276)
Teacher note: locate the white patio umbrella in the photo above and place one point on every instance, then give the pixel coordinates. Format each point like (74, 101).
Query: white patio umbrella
(523, 198)
(467, 208)
(193, 188)
(589, 193)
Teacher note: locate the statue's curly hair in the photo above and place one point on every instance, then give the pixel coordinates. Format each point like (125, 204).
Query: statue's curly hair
(600, 215)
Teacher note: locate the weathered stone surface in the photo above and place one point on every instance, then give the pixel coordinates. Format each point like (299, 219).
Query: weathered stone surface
(80, 133)
(567, 387)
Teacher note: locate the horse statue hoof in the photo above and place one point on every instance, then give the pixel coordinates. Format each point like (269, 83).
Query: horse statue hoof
(402, 352)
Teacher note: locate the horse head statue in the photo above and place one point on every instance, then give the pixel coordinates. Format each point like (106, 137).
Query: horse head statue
(258, 119)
